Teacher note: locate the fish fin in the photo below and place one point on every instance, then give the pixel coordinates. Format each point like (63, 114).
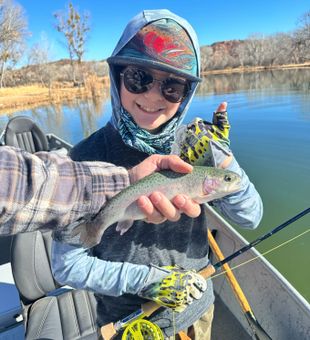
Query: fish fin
(123, 226)
(87, 237)
(210, 197)
(201, 200)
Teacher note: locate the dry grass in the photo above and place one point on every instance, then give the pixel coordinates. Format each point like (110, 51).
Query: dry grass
(256, 68)
(31, 96)
(27, 97)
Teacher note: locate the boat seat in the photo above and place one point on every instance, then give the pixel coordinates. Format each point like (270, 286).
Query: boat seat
(49, 310)
(22, 132)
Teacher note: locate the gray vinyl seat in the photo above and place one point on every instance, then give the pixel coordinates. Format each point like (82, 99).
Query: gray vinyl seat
(49, 311)
(22, 132)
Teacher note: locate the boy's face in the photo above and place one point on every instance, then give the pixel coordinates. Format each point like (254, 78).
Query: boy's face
(149, 109)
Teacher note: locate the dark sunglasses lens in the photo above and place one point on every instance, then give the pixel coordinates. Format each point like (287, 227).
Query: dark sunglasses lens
(174, 90)
(137, 81)
(140, 81)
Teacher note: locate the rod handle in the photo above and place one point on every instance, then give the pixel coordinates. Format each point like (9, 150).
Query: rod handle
(207, 272)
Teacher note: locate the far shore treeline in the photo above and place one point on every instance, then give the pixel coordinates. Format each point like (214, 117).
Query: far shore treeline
(257, 51)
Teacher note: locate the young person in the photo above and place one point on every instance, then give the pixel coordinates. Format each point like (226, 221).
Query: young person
(45, 190)
(154, 72)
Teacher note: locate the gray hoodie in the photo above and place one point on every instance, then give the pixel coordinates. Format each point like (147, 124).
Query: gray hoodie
(118, 268)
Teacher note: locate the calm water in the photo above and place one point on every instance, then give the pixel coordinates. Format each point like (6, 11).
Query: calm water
(270, 136)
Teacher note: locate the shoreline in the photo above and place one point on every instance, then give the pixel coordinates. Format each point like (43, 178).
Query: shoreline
(256, 69)
(14, 99)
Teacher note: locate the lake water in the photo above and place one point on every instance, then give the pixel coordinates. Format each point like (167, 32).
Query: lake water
(270, 137)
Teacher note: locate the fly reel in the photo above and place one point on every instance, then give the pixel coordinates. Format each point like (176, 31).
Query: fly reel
(142, 329)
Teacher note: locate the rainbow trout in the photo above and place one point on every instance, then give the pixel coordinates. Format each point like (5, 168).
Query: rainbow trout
(203, 184)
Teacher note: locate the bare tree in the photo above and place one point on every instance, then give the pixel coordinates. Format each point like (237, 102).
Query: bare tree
(301, 38)
(13, 31)
(39, 56)
(256, 48)
(259, 50)
(206, 57)
(241, 54)
(280, 49)
(75, 27)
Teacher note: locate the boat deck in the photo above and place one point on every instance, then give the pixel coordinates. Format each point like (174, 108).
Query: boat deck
(225, 325)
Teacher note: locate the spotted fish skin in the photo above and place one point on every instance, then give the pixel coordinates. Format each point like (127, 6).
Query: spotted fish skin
(203, 184)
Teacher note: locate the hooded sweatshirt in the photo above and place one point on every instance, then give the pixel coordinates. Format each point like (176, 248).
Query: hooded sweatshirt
(118, 268)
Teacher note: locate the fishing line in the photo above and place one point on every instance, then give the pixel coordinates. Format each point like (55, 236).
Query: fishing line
(150, 307)
(148, 330)
(173, 322)
(263, 254)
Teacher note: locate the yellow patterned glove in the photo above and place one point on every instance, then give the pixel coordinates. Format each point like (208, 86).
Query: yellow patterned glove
(198, 142)
(177, 289)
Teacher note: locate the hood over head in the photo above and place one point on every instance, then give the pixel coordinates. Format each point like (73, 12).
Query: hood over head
(161, 40)
(162, 44)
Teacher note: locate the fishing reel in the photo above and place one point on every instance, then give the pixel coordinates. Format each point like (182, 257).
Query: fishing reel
(142, 329)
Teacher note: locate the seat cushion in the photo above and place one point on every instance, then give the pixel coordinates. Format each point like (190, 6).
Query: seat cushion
(69, 316)
(24, 133)
(30, 260)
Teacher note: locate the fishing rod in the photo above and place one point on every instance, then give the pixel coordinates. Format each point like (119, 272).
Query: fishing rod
(110, 330)
(258, 331)
(260, 239)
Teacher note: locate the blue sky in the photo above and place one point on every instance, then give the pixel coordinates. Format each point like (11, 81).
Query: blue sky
(213, 20)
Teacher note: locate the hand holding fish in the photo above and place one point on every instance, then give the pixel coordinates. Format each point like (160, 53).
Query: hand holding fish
(206, 143)
(157, 207)
(156, 163)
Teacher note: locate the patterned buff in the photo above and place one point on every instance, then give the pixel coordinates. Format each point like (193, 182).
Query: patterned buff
(133, 135)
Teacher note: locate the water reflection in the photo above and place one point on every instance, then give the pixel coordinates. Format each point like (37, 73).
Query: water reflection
(49, 117)
(79, 119)
(278, 83)
(289, 80)
(71, 121)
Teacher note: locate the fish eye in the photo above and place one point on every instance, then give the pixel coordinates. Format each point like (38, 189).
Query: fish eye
(227, 178)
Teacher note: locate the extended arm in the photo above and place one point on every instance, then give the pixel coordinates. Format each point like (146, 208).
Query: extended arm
(75, 266)
(44, 190)
(48, 191)
(168, 286)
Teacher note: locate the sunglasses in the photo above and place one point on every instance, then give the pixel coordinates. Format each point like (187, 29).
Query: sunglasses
(136, 81)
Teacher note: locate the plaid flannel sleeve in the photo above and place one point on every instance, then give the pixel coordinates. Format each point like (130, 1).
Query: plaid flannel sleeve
(48, 191)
